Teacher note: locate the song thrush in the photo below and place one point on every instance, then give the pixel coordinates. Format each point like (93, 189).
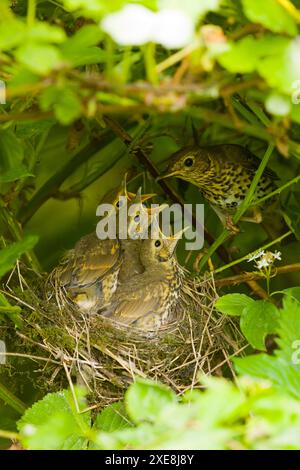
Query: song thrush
(223, 173)
(88, 275)
(147, 301)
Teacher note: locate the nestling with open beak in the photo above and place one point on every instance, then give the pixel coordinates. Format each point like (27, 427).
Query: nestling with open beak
(148, 300)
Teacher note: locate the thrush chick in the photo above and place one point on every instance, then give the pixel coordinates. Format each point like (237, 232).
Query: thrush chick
(89, 273)
(147, 300)
(140, 219)
(223, 173)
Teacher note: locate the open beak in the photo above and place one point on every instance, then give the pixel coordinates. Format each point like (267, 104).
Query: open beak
(141, 197)
(173, 240)
(154, 211)
(146, 197)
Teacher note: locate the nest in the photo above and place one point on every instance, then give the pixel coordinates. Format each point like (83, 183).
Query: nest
(104, 356)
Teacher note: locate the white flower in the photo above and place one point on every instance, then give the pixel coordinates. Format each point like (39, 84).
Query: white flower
(277, 255)
(267, 259)
(263, 263)
(131, 26)
(173, 28)
(256, 255)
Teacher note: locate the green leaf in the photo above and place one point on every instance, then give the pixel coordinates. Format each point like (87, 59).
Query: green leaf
(153, 396)
(233, 304)
(257, 321)
(54, 423)
(39, 58)
(15, 174)
(87, 36)
(11, 152)
(282, 70)
(44, 32)
(193, 8)
(10, 254)
(8, 397)
(241, 56)
(65, 102)
(11, 311)
(112, 418)
(293, 292)
(247, 54)
(84, 55)
(97, 8)
(12, 34)
(283, 369)
(80, 49)
(271, 15)
(291, 213)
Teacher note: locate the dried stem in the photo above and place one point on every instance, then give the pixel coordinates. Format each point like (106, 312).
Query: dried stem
(246, 277)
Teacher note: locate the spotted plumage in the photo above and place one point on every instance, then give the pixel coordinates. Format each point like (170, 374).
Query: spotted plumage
(223, 173)
(148, 300)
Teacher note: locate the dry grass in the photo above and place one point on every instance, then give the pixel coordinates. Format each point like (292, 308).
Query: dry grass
(105, 357)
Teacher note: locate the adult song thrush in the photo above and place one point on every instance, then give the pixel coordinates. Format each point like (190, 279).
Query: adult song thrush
(223, 173)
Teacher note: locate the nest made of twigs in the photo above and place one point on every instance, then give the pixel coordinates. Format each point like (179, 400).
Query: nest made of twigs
(105, 357)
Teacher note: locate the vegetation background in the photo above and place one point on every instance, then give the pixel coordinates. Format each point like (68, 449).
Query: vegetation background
(82, 91)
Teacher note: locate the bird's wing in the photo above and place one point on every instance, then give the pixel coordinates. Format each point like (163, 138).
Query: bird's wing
(90, 261)
(138, 303)
(238, 154)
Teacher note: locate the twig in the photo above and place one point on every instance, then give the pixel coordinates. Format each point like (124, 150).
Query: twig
(167, 188)
(31, 356)
(177, 57)
(9, 435)
(30, 116)
(244, 258)
(246, 277)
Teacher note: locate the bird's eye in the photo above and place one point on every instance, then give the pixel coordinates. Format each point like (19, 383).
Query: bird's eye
(137, 218)
(157, 243)
(188, 162)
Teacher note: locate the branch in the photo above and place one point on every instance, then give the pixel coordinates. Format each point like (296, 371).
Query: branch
(246, 277)
(30, 116)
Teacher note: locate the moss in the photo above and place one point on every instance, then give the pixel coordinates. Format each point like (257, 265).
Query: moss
(106, 356)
